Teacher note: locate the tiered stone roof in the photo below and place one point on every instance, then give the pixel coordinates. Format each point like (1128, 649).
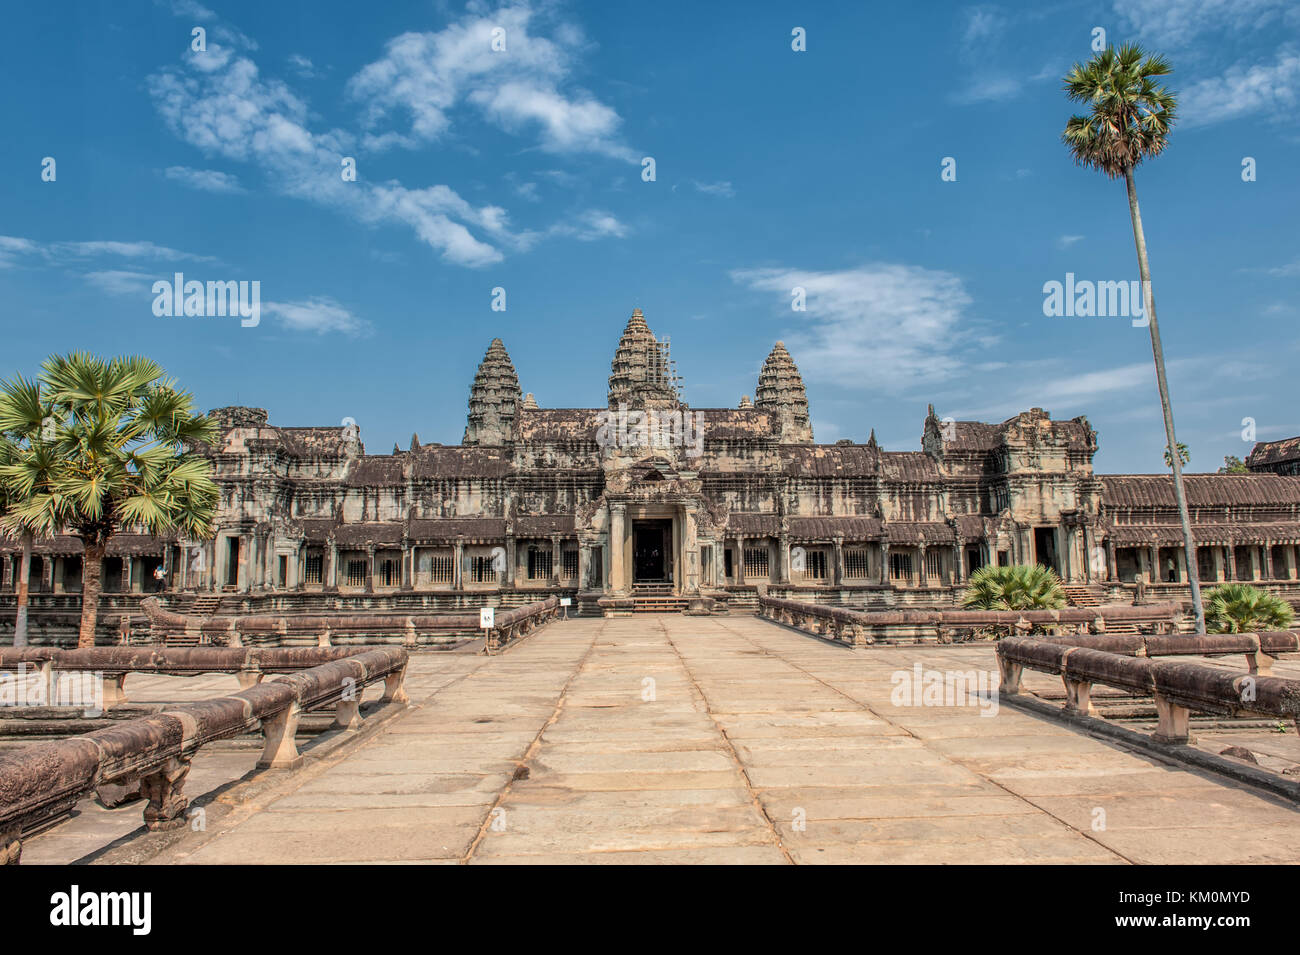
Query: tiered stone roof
(494, 399)
(639, 374)
(781, 390)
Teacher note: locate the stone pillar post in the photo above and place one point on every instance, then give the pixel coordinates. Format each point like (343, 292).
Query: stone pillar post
(838, 579)
(409, 568)
(1268, 561)
(1254, 562)
(691, 569)
(737, 560)
(959, 562)
(617, 556)
(584, 566)
(458, 564)
(370, 568)
(126, 574)
(1180, 561)
(556, 560)
(1112, 565)
(1230, 553)
(1153, 564)
(1216, 554)
(884, 563)
(1289, 552)
(920, 569)
(512, 558)
(783, 571)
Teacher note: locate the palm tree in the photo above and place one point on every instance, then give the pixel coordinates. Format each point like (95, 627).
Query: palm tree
(1129, 120)
(1022, 587)
(23, 413)
(1241, 608)
(114, 451)
(1183, 455)
(8, 453)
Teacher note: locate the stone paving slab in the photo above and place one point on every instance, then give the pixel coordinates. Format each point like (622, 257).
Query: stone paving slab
(665, 739)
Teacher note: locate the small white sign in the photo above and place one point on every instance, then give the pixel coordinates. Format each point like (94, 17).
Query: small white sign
(566, 601)
(487, 618)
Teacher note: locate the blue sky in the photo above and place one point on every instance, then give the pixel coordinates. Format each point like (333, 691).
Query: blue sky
(522, 169)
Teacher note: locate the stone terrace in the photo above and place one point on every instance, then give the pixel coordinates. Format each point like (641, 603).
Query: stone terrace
(549, 753)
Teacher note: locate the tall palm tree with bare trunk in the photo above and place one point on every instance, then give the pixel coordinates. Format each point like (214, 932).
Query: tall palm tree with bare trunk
(1129, 118)
(112, 448)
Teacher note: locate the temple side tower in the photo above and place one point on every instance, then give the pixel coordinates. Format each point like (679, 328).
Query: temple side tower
(494, 399)
(781, 390)
(642, 375)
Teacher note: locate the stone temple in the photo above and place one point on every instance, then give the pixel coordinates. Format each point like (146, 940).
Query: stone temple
(649, 504)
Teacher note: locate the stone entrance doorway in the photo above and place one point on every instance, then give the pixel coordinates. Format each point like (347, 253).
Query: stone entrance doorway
(652, 551)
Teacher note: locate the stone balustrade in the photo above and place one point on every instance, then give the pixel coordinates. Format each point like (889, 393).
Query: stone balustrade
(40, 783)
(512, 625)
(1178, 687)
(1259, 649)
(322, 630)
(114, 664)
(865, 627)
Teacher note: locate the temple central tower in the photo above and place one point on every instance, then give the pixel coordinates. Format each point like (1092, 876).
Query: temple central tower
(642, 374)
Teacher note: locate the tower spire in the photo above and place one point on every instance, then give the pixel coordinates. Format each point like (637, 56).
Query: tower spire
(781, 390)
(493, 399)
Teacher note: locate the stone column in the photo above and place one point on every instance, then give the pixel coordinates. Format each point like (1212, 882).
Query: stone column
(737, 560)
(1153, 564)
(783, 571)
(1112, 564)
(1180, 561)
(920, 569)
(409, 568)
(584, 566)
(458, 564)
(370, 568)
(1230, 553)
(838, 579)
(691, 569)
(126, 575)
(617, 557)
(1254, 562)
(556, 558)
(1289, 552)
(884, 563)
(1268, 561)
(1216, 554)
(959, 562)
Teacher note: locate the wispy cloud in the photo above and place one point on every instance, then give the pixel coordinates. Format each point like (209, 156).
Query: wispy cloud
(321, 315)
(1271, 89)
(219, 102)
(722, 188)
(1065, 241)
(525, 86)
(208, 180)
(122, 282)
(903, 322)
(1173, 24)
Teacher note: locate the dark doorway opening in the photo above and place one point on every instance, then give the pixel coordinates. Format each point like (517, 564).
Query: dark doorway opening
(232, 561)
(652, 544)
(1045, 547)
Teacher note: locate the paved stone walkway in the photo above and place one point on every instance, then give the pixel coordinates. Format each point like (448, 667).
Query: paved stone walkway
(732, 740)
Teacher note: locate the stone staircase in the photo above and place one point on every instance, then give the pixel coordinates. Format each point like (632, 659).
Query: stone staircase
(1078, 595)
(656, 598)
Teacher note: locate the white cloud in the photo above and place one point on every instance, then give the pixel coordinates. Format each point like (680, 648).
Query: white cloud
(120, 282)
(320, 315)
(208, 180)
(303, 66)
(126, 250)
(527, 86)
(1271, 89)
(1172, 24)
(591, 225)
(1066, 241)
(902, 322)
(722, 188)
(218, 102)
